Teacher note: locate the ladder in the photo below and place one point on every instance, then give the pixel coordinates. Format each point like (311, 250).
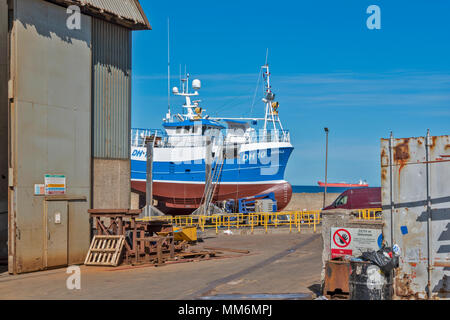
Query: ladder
(213, 181)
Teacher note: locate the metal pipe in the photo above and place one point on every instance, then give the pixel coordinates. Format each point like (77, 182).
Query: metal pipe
(391, 191)
(168, 65)
(429, 215)
(149, 180)
(208, 172)
(326, 168)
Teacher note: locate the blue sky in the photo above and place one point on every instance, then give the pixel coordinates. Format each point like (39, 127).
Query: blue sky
(328, 70)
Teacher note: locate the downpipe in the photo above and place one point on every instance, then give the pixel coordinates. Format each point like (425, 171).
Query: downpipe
(391, 195)
(429, 216)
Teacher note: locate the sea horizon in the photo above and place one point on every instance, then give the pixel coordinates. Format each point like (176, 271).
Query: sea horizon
(319, 189)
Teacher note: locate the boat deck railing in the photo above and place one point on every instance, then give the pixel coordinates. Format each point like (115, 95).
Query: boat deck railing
(140, 138)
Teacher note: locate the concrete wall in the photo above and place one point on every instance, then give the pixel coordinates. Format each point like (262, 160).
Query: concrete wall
(134, 200)
(51, 125)
(3, 130)
(344, 219)
(309, 201)
(112, 184)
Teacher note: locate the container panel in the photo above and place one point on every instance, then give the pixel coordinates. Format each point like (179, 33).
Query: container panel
(418, 175)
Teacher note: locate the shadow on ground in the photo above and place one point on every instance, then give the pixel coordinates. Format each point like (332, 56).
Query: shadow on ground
(316, 289)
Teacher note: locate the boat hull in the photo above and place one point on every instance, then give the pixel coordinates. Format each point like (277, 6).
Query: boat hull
(181, 198)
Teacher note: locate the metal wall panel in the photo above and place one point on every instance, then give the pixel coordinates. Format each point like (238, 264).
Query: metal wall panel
(420, 219)
(57, 229)
(111, 54)
(50, 125)
(3, 130)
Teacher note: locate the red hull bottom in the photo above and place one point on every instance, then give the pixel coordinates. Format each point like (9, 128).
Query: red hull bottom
(184, 198)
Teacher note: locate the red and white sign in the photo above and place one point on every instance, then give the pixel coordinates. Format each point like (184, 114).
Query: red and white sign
(342, 238)
(353, 241)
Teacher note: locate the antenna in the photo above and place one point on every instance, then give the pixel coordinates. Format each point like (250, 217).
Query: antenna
(267, 55)
(168, 65)
(186, 77)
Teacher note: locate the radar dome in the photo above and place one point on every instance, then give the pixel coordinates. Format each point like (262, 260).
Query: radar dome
(196, 84)
(175, 90)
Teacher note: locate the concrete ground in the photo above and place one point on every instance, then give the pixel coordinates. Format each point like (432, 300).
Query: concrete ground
(278, 263)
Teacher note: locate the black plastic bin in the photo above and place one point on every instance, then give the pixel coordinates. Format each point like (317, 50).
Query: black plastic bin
(368, 282)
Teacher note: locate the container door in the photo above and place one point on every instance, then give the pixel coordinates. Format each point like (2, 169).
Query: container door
(57, 233)
(421, 213)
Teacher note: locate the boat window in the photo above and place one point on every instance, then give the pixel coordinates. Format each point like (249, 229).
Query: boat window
(204, 129)
(179, 130)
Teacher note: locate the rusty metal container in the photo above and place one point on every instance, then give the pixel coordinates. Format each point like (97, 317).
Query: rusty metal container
(336, 278)
(415, 176)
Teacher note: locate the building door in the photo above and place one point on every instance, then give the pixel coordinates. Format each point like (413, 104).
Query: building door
(57, 233)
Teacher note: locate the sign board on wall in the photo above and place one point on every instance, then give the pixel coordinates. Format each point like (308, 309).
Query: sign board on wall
(39, 189)
(354, 241)
(55, 184)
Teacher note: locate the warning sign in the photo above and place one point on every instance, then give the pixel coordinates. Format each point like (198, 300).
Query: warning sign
(342, 238)
(353, 241)
(55, 184)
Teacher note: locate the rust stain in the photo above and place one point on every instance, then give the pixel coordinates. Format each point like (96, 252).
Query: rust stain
(433, 144)
(383, 155)
(401, 154)
(402, 287)
(383, 174)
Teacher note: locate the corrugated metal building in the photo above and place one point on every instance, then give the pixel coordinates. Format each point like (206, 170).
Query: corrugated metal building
(65, 97)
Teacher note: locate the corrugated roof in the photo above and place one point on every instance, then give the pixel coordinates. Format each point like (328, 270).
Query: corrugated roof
(126, 12)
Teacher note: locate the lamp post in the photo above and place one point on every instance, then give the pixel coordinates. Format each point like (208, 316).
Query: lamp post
(326, 165)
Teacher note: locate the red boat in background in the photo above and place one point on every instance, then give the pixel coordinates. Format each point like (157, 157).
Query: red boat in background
(343, 184)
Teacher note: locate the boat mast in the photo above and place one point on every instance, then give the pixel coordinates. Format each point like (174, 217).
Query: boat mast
(188, 106)
(168, 69)
(270, 114)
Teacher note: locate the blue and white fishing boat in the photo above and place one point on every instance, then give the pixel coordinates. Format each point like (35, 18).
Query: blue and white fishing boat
(248, 156)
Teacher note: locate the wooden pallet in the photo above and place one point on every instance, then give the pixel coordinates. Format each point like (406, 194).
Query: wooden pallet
(105, 251)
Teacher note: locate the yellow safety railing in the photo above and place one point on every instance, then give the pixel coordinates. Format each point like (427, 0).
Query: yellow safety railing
(369, 214)
(295, 220)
